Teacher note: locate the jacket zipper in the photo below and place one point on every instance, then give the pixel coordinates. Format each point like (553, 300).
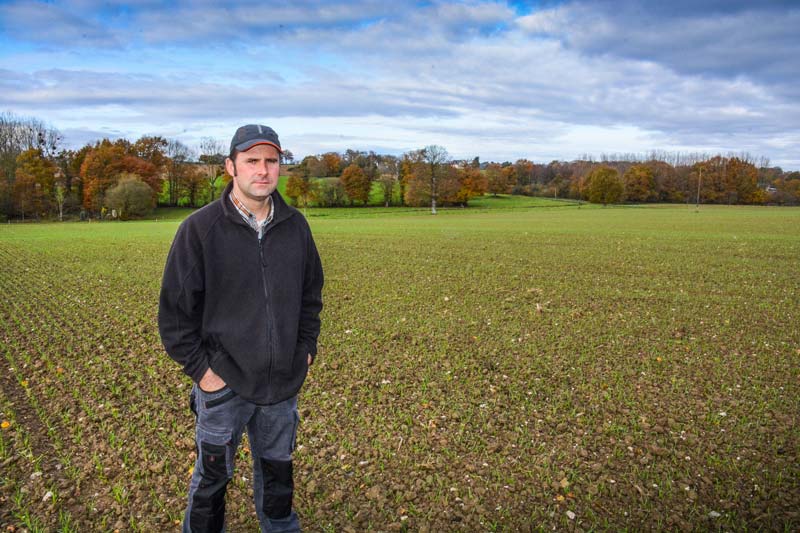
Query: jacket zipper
(262, 264)
(271, 321)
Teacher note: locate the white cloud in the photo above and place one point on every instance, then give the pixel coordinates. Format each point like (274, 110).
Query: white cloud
(472, 76)
(546, 22)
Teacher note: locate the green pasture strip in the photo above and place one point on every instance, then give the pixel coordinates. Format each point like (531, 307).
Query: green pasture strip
(483, 369)
(486, 202)
(170, 213)
(508, 201)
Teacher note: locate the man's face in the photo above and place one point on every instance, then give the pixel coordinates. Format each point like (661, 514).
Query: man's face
(255, 174)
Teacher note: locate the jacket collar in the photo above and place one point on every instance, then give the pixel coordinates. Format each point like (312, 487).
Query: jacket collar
(281, 208)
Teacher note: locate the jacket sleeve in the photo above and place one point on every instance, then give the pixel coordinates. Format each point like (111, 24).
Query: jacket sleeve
(313, 281)
(180, 306)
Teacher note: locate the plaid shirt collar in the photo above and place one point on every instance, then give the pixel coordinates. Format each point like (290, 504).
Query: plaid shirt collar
(250, 217)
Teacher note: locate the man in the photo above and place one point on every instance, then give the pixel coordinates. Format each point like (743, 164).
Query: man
(239, 310)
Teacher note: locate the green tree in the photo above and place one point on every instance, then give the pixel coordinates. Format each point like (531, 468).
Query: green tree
(213, 160)
(60, 196)
(177, 168)
(387, 183)
(389, 175)
(131, 197)
(604, 186)
(328, 192)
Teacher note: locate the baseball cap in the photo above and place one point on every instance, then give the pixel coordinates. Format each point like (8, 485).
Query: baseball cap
(253, 134)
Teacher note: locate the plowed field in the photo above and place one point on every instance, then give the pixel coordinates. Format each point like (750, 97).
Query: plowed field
(481, 370)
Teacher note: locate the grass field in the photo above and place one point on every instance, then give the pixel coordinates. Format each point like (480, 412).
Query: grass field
(520, 365)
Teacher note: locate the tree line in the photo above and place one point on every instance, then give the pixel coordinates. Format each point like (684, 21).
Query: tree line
(429, 177)
(661, 177)
(423, 177)
(41, 179)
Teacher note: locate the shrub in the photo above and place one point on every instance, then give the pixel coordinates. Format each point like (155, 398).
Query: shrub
(604, 186)
(131, 197)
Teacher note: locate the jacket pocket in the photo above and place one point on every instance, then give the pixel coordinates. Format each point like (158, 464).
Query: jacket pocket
(300, 359)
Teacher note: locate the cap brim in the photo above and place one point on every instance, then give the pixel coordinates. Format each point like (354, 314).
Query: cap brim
(245, 146)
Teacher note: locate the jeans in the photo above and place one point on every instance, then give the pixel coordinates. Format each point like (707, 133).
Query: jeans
(221, 417)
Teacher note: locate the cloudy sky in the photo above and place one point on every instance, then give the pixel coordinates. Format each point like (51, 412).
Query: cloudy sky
(500, 80)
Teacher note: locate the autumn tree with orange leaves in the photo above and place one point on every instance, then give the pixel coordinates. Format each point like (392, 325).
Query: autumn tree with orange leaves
(298, 189)
(332, 163)
(356, 184)
(34, 187)
(500, 180)
(640, 184)
(103, 166)
(722, 180)
(471, 184)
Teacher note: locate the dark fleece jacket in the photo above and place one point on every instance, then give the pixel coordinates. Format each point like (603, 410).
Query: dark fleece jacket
(248, 309)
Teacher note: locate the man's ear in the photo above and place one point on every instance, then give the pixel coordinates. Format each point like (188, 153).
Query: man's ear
(230, 166)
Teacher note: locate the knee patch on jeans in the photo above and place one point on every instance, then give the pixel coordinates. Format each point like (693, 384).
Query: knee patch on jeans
(278, 487)
(208, 500)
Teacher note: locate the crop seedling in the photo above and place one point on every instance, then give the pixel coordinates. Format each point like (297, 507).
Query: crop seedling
(617, 290)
